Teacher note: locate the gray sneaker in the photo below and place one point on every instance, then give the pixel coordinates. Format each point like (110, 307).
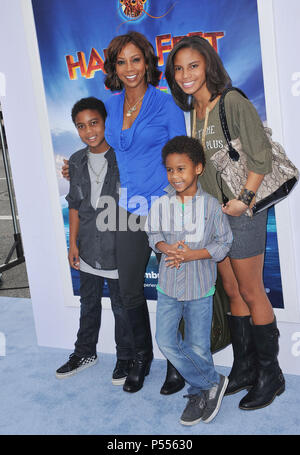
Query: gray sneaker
(213, 399)
(193, 410)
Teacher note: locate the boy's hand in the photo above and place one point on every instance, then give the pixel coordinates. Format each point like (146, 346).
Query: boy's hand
(74, 257)
(182, 253)
(173, 247)
(171, 252)
(172, 262)
(167, 248)
(176, 253)
(65, 170)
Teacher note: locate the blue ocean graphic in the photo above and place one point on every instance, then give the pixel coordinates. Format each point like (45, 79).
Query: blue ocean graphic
(272, 277)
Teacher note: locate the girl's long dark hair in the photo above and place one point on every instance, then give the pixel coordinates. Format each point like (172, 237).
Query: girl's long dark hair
(217, 78)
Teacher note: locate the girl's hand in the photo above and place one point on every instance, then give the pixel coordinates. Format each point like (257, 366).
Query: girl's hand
(234, 208)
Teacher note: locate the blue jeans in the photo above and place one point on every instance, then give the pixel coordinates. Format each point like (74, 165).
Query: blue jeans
(191, 356)
(91, 289)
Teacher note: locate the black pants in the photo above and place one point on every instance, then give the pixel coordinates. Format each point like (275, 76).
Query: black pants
(91, 291)
(133, 253)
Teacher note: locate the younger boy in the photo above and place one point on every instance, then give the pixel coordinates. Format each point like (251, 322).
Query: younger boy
(94, 173)
(188, 227)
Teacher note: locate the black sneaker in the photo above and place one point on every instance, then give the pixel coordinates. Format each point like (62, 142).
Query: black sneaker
(213, 399)
(194, 409)
(75, 364)
(121, 371)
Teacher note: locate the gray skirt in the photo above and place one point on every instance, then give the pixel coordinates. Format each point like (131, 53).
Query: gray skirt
(249, 235)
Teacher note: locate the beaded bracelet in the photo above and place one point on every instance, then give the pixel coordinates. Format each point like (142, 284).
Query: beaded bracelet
(246, 196)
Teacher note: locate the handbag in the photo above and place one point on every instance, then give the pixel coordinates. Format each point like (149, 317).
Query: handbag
(231, 165)
(220, 333)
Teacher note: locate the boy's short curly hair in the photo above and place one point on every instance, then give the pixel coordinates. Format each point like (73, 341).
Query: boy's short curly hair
(185, 145)
(91, 103)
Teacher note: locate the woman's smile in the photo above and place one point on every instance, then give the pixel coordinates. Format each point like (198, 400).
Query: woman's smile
(131, 67)
(189, 66)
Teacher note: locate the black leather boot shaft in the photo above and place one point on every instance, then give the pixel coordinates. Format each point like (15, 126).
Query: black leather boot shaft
(173, 382)
(270, 381)
(243, 373)
(140, 325)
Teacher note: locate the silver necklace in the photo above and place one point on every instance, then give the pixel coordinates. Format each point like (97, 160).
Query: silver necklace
(97, 174)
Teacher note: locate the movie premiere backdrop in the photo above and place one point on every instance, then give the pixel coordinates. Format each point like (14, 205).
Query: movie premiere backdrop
(73, 36)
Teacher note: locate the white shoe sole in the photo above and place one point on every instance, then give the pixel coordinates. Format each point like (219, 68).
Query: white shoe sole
(119, 381)
(71, 373)
(213, 415)
(188, 424)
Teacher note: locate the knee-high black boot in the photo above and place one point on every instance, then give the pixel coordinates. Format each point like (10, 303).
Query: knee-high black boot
(140, 325)
(270, 381)
(243, 372)
(173, 382)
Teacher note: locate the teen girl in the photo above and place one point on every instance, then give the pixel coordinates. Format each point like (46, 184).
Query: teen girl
(197, 78)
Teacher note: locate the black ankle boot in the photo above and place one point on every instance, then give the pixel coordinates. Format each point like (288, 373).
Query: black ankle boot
(270, 381)
(120, 372)
(140, 369)
(243, 373)
(140, 325)
(173, 382)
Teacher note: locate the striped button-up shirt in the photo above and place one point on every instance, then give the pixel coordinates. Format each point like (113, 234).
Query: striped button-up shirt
(201, 224)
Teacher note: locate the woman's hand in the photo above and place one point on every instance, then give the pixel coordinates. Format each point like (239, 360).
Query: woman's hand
(65, 170)
(234, 208)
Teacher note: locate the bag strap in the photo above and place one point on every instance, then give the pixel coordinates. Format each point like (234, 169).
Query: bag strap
(234, 155)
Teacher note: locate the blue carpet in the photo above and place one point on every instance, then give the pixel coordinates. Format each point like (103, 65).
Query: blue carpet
(34, 402)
